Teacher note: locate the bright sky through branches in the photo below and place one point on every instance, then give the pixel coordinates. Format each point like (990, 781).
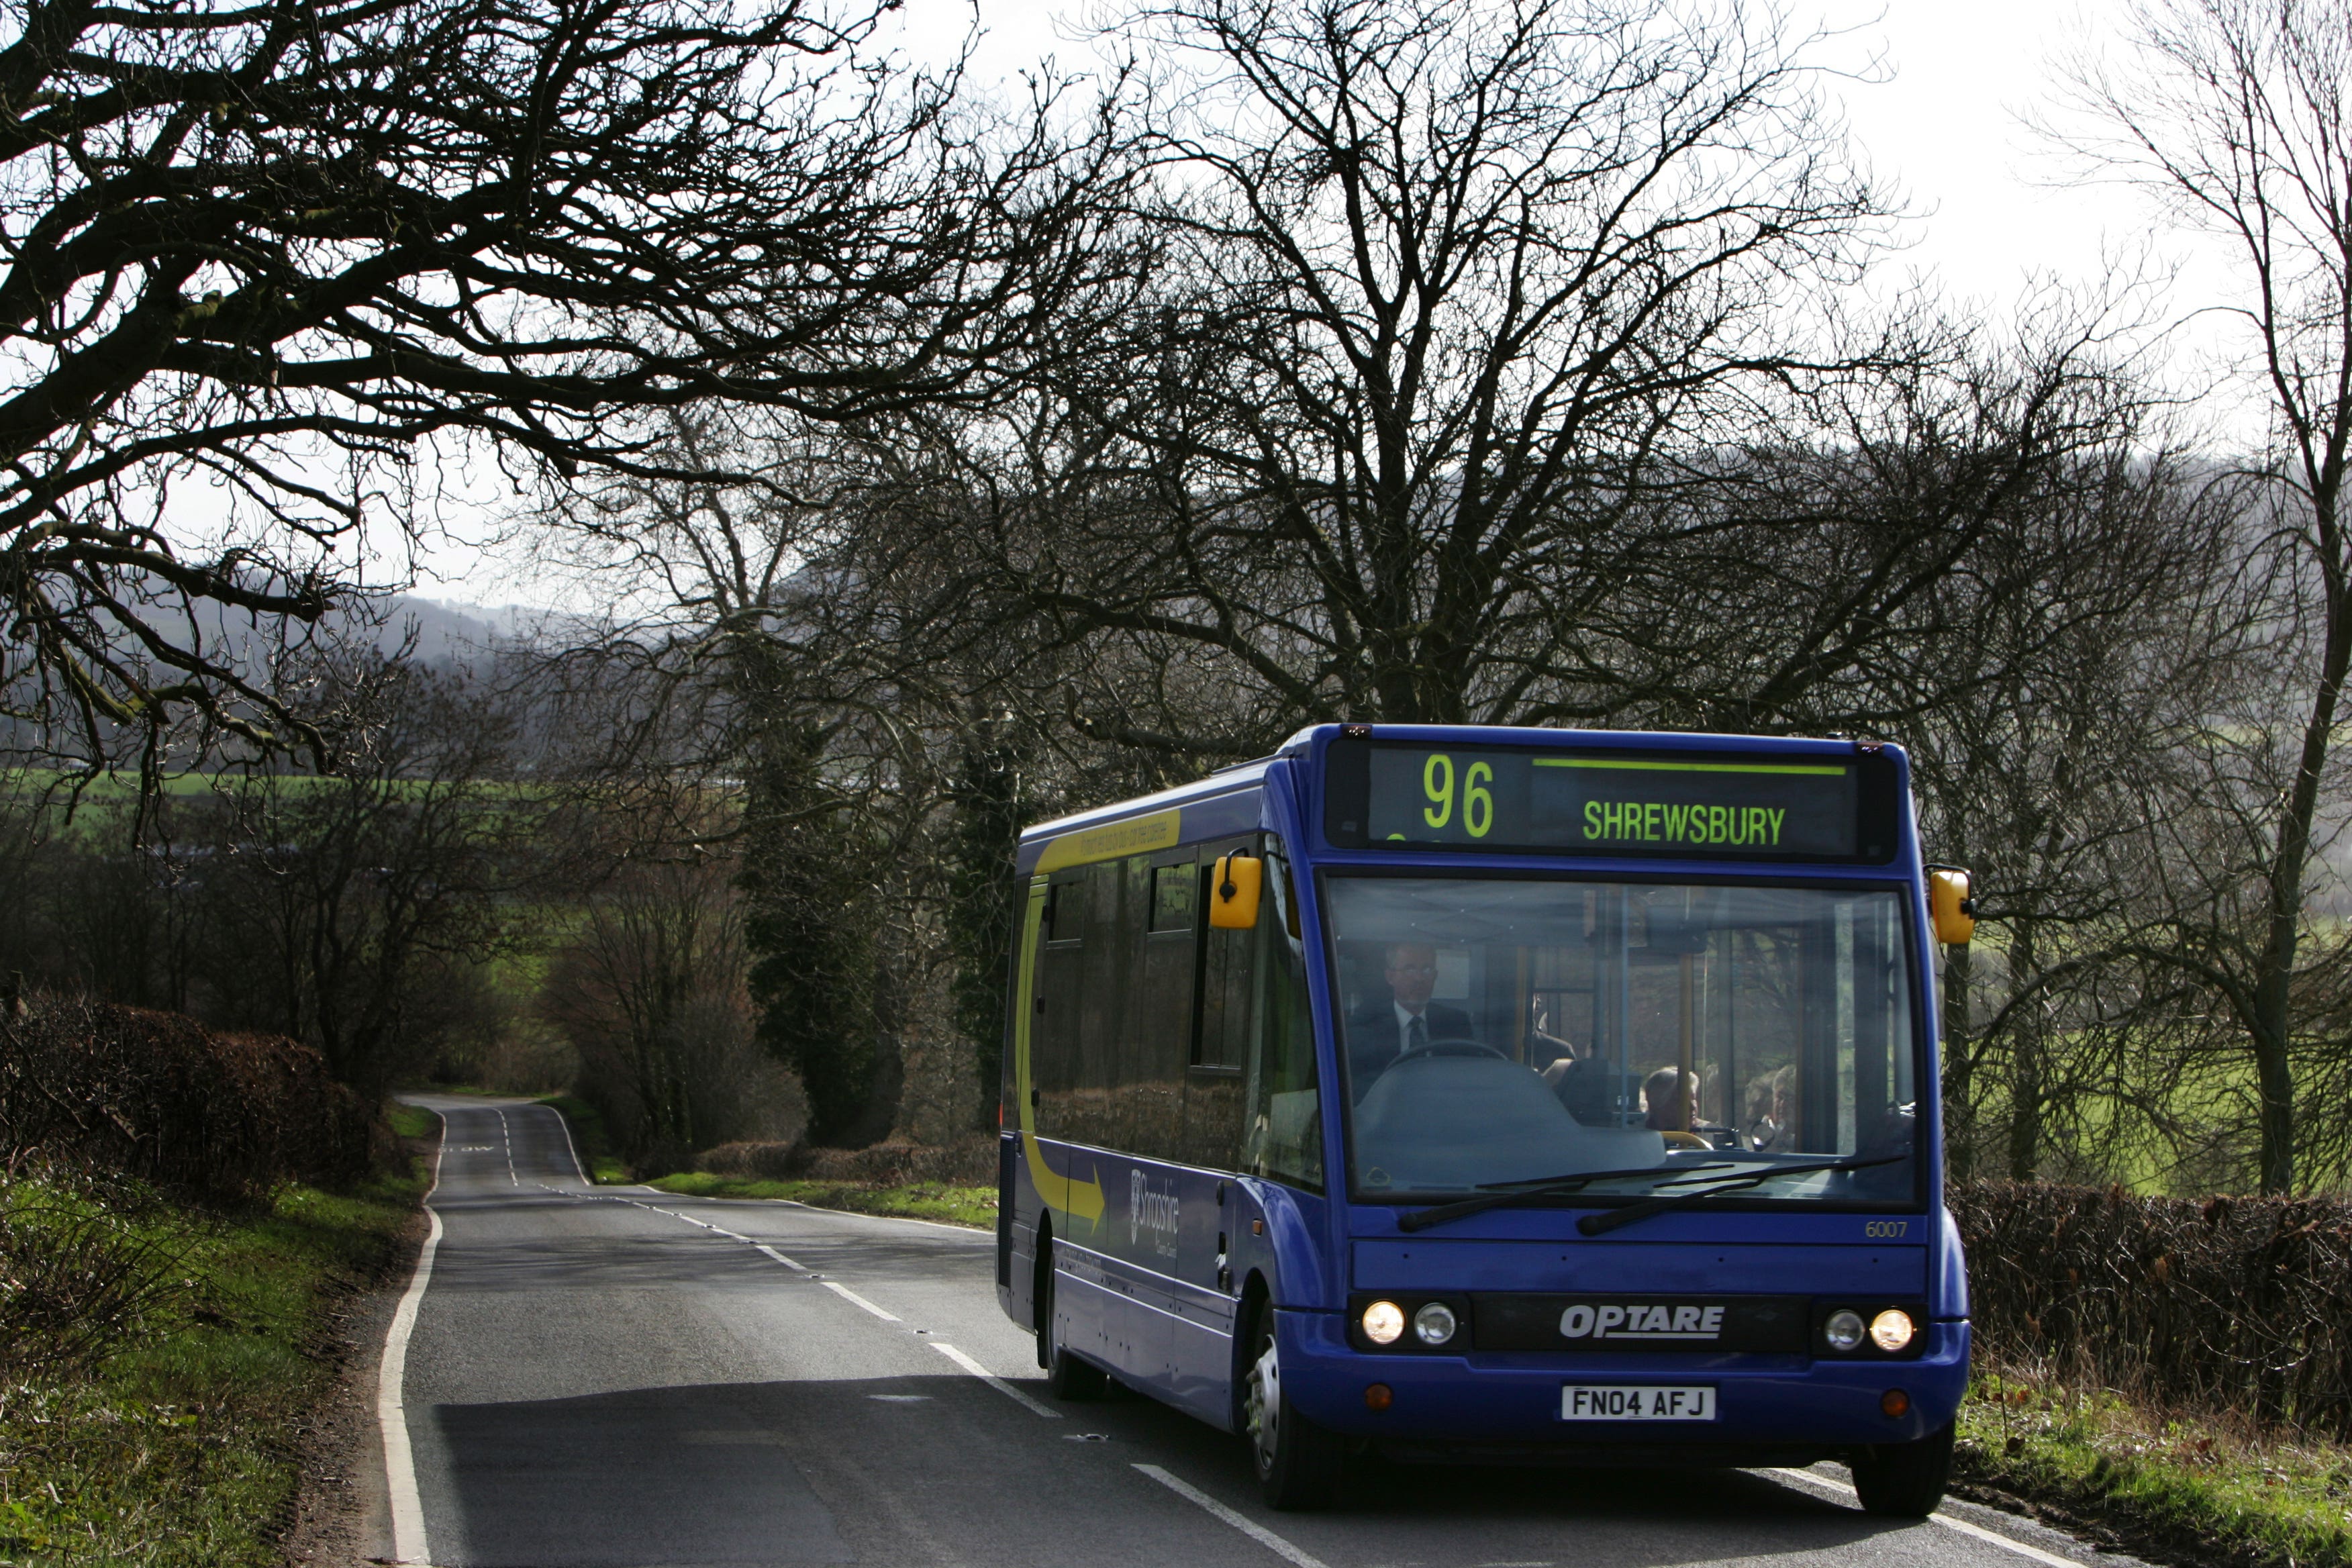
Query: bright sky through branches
(1939, 121)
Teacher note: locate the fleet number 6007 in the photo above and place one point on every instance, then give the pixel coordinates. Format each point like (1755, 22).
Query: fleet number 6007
(1887, 1228)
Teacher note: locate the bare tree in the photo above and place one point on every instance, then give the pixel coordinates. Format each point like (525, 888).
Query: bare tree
(2237, 114)
(1445, 297)
(260, 258)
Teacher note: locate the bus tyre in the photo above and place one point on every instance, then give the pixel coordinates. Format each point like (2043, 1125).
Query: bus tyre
(1904, 1479)
(1066, 1377)
(1298, 1463)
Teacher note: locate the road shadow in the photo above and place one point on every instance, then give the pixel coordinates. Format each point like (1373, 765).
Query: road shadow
(944, 1469)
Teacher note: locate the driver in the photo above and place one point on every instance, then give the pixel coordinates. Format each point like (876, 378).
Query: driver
(1380, 1031)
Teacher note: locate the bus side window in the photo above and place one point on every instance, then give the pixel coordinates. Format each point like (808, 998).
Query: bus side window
(1284, 1137)
(1228, 960)
(1053, 1030)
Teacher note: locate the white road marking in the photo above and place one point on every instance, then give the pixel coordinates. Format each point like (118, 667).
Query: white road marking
(1975, 1532)
(996, 1383)
(778, 1257)
(399, 1462)
(565, 1122)
(1251, 1528)
(969, 1232)
(506, 1134)
(854, 1300)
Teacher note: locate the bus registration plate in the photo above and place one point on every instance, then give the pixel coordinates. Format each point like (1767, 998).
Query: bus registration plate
(1619, 1402)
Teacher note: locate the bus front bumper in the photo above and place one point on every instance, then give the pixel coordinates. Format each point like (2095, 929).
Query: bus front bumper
(1773, 1405)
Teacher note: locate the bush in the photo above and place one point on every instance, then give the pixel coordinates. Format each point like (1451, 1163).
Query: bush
(2233, 1305)
(159, 1098)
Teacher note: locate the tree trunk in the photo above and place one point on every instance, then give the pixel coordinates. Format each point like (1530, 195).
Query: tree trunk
(2024, 1064)
(2273, 1024)
(1958, 1063)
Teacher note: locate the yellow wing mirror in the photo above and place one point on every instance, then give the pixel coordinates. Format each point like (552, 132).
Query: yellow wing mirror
(1950, 910)
(1233, 889)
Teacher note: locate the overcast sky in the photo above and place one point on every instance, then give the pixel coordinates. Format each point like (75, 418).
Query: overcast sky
(1943, 128)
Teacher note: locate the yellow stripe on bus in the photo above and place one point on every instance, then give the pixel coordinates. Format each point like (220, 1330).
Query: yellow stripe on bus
(1068, 1194)
(1646, 767)
(1113, 841)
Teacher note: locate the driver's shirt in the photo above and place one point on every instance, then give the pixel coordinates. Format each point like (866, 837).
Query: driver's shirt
(1405, 1020)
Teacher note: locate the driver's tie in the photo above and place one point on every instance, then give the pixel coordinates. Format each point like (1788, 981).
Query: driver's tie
(1416, 1035)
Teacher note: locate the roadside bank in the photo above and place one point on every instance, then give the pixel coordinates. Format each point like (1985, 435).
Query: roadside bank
(2197, 1494)
(169, 1369)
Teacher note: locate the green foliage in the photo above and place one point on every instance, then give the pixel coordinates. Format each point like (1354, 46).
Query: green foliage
(172, 1449)
(989, 792)
(974, 1207)
(810, 924)
(2196, 1492)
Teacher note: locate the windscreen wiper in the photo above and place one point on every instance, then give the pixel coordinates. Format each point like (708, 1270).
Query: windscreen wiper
(1520, 1192)
(1716, 1186)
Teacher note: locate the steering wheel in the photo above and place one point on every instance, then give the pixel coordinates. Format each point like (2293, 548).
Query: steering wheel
(1449, 1046)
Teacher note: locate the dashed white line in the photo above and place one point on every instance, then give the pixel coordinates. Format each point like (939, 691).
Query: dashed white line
(1961, 1526)
(1249, 1527)
(844, 1291)
(399, 1462)
(854, 1300)
(996, 1383)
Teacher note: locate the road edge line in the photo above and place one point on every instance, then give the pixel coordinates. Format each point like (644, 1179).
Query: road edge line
(1034, 1406)
(565, 1122)
(1978, 1531)
(407, 1508)
(1248, 1526)
(981, 1232)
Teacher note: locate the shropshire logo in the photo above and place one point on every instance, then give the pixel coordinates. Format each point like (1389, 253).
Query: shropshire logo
(1154, 1212)
(1639, 1321)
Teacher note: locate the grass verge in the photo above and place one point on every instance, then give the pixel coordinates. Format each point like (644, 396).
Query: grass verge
(589, 1138)
(411, 1121)
(2166, 1489)
(974, 1207)
(183, 1445)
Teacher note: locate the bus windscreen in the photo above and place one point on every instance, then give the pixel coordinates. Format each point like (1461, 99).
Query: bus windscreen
(1518, 799)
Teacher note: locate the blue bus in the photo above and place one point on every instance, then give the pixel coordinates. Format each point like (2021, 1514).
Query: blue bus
(1496, 1095)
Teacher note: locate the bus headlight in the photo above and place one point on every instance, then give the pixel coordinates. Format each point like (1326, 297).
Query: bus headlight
(1434, 1323)
(1844, 1330)
(1891, 1330)
(1384, 1322)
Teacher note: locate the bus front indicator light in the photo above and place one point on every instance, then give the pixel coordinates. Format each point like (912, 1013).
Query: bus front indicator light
(1384, 1322)
(1434, 1323)
(1896, 1404)
(1844, 1330)
(1891, 1330)
(1378, 1398)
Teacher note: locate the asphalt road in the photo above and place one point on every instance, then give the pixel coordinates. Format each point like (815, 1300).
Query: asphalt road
(615, 1376)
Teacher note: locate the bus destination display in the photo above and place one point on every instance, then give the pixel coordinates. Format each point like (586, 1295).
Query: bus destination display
(1678, 803)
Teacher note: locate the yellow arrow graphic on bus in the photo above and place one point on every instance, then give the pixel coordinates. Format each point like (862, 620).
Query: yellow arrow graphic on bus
(1072, 1197)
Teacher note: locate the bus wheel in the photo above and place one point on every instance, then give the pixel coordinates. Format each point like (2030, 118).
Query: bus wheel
(1297, 1462)
(1906, 1479)
(1066, 1377)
